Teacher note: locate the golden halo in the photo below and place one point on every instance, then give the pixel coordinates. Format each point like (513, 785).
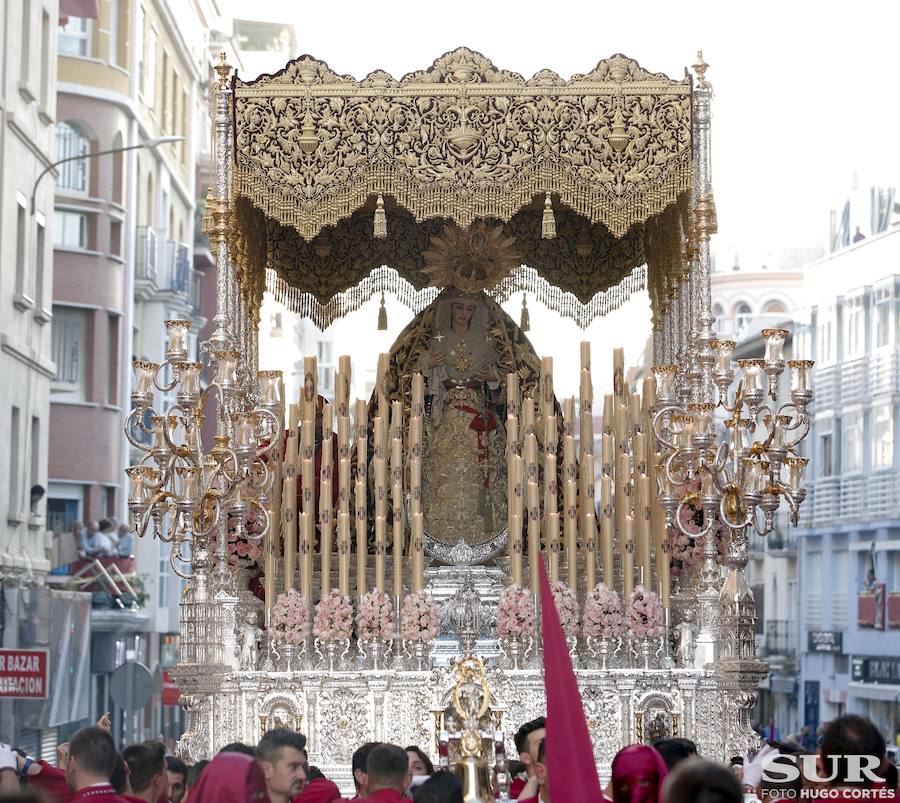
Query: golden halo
(472, 259)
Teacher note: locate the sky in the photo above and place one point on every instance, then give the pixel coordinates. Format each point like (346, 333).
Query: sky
(807, 95)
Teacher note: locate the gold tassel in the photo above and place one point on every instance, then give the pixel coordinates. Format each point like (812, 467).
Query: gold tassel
(525, 320)
(382, 315)
(548, 224)
(380, 230)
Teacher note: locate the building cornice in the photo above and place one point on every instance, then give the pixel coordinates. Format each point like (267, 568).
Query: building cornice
(27, 355)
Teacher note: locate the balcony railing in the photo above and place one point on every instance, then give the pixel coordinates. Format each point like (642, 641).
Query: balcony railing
(147, 253)
(782, 541)
(112, 581)
(197, 292)
(779, 638)
(884, 371)
(178, 268)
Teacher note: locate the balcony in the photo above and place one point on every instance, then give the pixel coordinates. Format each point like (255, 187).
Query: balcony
(782, 542)
(827, 382)
(178, 273)
(779, 638)
(147, 255)
(112, 581)
(884, 371)
(854, 381)
(826, 501)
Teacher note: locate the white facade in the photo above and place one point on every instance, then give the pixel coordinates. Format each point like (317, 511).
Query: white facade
(27, 110)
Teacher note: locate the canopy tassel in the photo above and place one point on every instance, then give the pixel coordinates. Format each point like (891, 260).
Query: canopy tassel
(382, 314)
(525, 320)
(548, 224)
(380, 230)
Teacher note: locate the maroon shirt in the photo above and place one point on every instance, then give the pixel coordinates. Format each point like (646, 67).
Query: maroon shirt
(101, 794)
(385, 796)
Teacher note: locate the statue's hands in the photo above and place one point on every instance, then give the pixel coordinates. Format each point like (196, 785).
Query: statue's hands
(435, 359)
(487, 374)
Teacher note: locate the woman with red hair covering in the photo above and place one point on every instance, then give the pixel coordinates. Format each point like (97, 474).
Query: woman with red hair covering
(231, 778)
(638, 773)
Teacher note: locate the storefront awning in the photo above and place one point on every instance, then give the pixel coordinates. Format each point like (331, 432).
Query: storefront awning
(876, 691)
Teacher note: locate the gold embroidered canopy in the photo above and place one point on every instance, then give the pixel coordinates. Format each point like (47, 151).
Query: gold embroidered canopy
(335, 179)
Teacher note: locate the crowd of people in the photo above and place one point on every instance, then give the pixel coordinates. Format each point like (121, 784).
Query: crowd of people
(97, 539)
(850, 765)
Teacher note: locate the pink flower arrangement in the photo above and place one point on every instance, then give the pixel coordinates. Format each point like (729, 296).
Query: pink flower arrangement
(418, 617)
(375, 617)
(290, 618)
(245, 551)
(334, 617)
(566, 601)
(603, 613)
(515, 616)
(645, 614)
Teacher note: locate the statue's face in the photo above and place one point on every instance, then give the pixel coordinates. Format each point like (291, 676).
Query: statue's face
(461, 312)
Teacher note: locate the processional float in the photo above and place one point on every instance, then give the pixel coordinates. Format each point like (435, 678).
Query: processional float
(330, 190)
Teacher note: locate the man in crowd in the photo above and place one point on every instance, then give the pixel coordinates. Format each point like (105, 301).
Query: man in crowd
(359, 765)
(539, 770)
(124, 541)
(176, 775)
(675, 750)
(147, 770)
(282, 755)
(851, 757)
(702, 780)
(387, 772)
(527, 739)
(91, 762)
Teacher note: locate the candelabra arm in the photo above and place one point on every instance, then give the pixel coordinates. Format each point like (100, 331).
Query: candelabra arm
(658, 429)
(708, 520)
(136, 415)
(171, 385)
(175, 557)
(266, 519)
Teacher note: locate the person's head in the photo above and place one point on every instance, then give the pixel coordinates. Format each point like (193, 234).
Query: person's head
(177, 772)
(314, 774)
(147, 769)
(230, 778)
(698, 781)
(195, 772)
(37, 493)
(360, 764)
(891, 775)
(124, 529)
(638, 772)
(849, 735)
(239, 747)
(527, 738)
(93, 526)
(106, 526)
(387, 768)
(461, 312)
(419, 763)
(442, 787)
(119, 779)
(92, 758)
(870, 575)
(282, 755)
(675, 750)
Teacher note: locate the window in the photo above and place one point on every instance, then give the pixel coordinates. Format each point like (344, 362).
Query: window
(882, 436)
(75, 37)
(112, 388)
(325, 366)
(115, 238)
(719, 315)
(71, 229)
(883, 310)
(68, 350)
(40, 238)
(852, 457)
(71, 143)
(825, 456)
(45, 59)
(742, 315)
(774, 308)
(142, 78)
(25, 67)
(150, 83)
(854, 328)
(15, 468)
(35, 453)
(21, 245)
(826, 338)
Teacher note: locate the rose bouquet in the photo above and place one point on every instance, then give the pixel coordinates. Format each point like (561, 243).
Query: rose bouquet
(515, 616)
(245, 550)
(645, 614)
(334, 617)
(375, 617)
(418, 617)
(566, 601)
(290, 618)
(603, 613)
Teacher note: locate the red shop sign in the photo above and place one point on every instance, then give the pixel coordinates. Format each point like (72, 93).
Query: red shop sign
(24, 673)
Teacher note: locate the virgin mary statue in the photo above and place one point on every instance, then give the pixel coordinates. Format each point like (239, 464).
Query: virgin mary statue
(465, 345)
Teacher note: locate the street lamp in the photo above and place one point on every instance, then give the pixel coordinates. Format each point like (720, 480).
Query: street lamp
(150, 143)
